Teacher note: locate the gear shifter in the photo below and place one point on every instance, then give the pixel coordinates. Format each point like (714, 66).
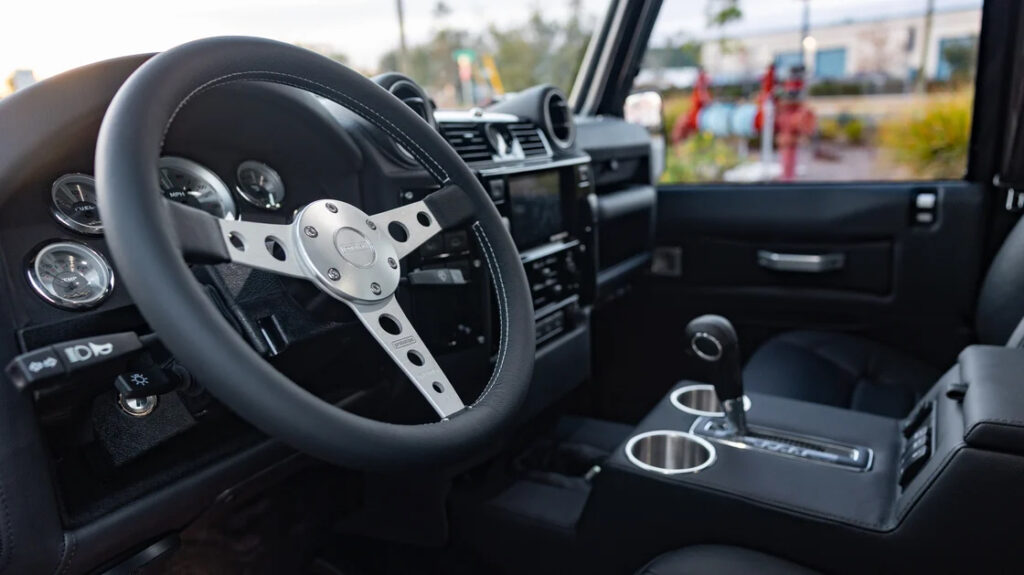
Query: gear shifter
(713, 339)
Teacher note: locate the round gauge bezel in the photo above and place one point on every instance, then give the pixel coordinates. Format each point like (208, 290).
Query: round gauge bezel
(66, 220)
(271, 173)
(37, 284)
(200, 171)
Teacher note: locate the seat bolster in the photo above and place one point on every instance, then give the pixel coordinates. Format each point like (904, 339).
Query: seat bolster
(720, 560)
(841, 370)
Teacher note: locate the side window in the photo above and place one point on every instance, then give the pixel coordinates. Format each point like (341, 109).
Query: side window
(857, 90)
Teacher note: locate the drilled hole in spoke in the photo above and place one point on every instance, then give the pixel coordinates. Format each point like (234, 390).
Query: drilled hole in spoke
(438, 387)
(275, 248)
(237, 241)
(389, 324)
(398, 231)
(415, 358)
(423, 218)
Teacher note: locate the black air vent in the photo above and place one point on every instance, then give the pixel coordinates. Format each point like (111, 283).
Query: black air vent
(413, 96)
(559, 118)
(529, 139)
(468, 140)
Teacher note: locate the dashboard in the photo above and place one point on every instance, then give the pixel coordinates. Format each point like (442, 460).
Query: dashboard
(259, 152)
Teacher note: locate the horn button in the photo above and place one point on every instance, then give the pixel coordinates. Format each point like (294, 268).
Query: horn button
(346, 252)
(354, 247)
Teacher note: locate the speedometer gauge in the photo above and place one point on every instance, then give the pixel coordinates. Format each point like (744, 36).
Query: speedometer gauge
(192, 184)
(73, 202)
(71, 275)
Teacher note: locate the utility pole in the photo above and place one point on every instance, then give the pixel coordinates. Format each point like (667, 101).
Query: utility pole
(805, 33)
(402, 53)
(926, 41)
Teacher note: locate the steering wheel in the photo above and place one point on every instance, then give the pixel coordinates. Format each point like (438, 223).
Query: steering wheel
(348, 254)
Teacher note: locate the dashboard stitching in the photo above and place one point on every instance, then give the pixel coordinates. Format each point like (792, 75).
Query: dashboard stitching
(502, 307)
(6, 552)
(71, 557)
(435, 168)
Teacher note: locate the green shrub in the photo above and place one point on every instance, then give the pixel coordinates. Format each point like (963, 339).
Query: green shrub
(828, 129)
(674, 106)
(931, 143)
(853, 132)
(701, 158)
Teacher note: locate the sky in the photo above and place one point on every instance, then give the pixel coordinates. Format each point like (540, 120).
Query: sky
(50, 36)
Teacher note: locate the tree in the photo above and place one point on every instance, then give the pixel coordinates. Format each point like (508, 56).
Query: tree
(722, 12)
(537, 51)
(960, 57)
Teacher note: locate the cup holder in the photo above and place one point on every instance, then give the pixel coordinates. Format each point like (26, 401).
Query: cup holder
(701, 400)
(670, 452)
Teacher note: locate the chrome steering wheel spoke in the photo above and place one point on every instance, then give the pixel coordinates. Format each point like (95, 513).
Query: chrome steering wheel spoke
(395, 333)
(409, 226)
(267, 247)
(350, 256)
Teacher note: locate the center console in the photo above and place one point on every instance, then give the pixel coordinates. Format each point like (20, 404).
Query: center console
(936, 491)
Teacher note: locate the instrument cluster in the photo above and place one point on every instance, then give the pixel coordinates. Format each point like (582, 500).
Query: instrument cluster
(71, 275)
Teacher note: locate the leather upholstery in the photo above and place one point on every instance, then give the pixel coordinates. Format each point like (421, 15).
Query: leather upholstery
(720, 560)
(856, 373)
(1000, 304)
(840, 370)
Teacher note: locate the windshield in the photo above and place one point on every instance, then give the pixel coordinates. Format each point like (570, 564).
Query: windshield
(464, 52)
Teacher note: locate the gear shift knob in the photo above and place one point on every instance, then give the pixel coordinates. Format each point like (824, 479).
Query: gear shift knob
(713, 339)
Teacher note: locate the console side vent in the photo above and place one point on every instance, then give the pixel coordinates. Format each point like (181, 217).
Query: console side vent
(468, 140)
(530, 139)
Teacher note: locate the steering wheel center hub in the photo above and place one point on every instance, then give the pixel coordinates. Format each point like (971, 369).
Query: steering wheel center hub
(345, 252)
(354, 247)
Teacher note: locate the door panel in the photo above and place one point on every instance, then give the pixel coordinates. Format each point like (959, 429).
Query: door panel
(908, 284)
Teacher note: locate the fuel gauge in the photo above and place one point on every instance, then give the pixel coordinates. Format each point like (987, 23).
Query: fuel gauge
(260, 185)
(73, 198)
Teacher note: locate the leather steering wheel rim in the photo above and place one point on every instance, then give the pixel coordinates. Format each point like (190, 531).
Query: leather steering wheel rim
(146, 249)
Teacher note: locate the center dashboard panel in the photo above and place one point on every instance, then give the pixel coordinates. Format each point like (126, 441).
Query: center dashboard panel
(259, 152)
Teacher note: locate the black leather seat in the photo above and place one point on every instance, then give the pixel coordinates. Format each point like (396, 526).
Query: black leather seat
(856, 373)
(720, 560)
(841, 370)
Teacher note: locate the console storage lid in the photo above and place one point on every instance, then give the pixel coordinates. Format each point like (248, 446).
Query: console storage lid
(994, 403)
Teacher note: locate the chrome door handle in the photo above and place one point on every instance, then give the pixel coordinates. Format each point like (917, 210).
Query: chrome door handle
(800, 263)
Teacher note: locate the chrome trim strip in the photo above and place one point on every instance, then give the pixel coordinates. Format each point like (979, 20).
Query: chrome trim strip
(536, 167)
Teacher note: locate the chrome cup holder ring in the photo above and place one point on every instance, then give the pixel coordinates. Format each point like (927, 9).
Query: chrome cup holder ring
(700, 399)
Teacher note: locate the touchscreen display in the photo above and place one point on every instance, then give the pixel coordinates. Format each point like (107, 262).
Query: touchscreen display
(536, 208)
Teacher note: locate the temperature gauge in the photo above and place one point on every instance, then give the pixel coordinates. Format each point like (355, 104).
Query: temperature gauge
(74, 203)
(71, 275)
(260, 185)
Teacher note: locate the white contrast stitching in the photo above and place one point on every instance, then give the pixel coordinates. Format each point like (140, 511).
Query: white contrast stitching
(502, 306)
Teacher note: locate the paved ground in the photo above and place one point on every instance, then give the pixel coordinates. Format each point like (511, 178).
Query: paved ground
(835, 163)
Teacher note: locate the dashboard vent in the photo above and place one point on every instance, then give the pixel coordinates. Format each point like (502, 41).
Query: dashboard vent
(529, 139)
(468, 140)
(414, 97)
(559, 120)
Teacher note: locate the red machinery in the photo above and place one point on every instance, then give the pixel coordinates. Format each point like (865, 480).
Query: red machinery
(791, 120)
